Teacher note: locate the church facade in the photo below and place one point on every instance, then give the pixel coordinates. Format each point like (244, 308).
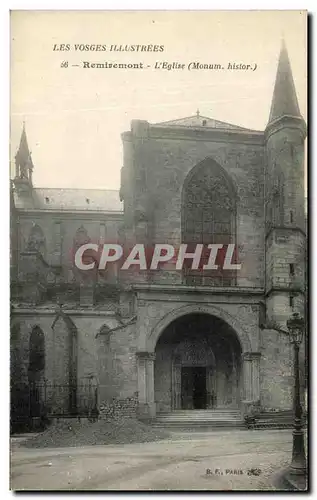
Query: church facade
(155, 341)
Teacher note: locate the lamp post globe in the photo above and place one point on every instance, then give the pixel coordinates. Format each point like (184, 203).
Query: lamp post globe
(296, 326)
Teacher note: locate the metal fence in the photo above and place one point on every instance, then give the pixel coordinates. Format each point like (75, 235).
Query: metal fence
(43, 400)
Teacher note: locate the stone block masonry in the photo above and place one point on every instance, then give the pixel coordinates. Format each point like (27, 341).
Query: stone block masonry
(119, 408)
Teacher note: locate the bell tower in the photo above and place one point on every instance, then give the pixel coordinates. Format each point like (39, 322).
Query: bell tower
(284, 199)
(23, 167)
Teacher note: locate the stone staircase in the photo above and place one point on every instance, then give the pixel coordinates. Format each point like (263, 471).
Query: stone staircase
(201, 420)
(197, 420)
(283, 419)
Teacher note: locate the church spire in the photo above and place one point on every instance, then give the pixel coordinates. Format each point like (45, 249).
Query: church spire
(23, 159)
(284, 102)
(23, 166)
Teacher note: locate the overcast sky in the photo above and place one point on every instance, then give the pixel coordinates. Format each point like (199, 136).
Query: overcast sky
(74, 116)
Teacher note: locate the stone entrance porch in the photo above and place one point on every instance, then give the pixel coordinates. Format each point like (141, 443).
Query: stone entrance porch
(198, 363)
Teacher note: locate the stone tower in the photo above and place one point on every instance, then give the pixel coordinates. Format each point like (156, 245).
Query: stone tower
(23, 167)
(284, 199)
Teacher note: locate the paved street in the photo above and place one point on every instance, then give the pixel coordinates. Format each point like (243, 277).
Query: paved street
(179, 463)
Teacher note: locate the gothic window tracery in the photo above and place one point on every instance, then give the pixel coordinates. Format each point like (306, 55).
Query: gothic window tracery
(208, 216)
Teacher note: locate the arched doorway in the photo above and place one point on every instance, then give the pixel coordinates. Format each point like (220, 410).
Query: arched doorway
(198, 365)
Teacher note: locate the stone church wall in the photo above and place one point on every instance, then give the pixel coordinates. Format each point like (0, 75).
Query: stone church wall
(59, 232)
(106, 360)
(163, 378)
(117, 365)
(167, 162)
(276, 375)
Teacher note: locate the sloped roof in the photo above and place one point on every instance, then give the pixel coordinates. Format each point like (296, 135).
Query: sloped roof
(103, 200)
(284, 100)
(201, 121)
(23, 155)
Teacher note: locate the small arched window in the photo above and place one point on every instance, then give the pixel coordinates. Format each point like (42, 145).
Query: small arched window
(82, 238)
(36, 240)
(278, 200)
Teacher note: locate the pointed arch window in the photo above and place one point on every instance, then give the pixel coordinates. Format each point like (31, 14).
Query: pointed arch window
(208, 216)
(81, 237)
(36, 240)
(36, 351)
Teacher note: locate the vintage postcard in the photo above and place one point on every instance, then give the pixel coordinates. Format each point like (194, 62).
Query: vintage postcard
(158, 250)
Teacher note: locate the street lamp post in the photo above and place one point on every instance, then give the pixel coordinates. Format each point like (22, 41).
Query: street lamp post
(296, 326)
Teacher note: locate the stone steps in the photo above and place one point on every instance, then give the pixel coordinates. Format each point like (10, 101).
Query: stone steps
(196, 426)
(199, 419)
(195, 420)
(202, 418)
(202, 412)
(275, 420)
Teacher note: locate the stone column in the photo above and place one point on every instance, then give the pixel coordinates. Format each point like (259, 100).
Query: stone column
(221, 387)
(251, 378)
(210, 387)
(150, 384)
(247, 377)
(256, 376)
(176, 403)
(145, 363)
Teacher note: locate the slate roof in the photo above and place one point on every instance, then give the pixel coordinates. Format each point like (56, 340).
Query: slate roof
(103, 200)
(284, 100)
(201, 121)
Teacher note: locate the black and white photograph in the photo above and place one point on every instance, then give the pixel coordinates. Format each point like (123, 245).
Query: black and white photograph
(158, 251)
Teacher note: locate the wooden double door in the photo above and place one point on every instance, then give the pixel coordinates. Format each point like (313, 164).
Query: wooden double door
(193, 388)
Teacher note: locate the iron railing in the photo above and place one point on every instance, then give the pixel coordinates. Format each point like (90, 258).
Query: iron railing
(44, 400)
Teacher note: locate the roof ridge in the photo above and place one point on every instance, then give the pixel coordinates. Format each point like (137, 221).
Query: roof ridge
(232, 125)
(184, 118)
(76, 189)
